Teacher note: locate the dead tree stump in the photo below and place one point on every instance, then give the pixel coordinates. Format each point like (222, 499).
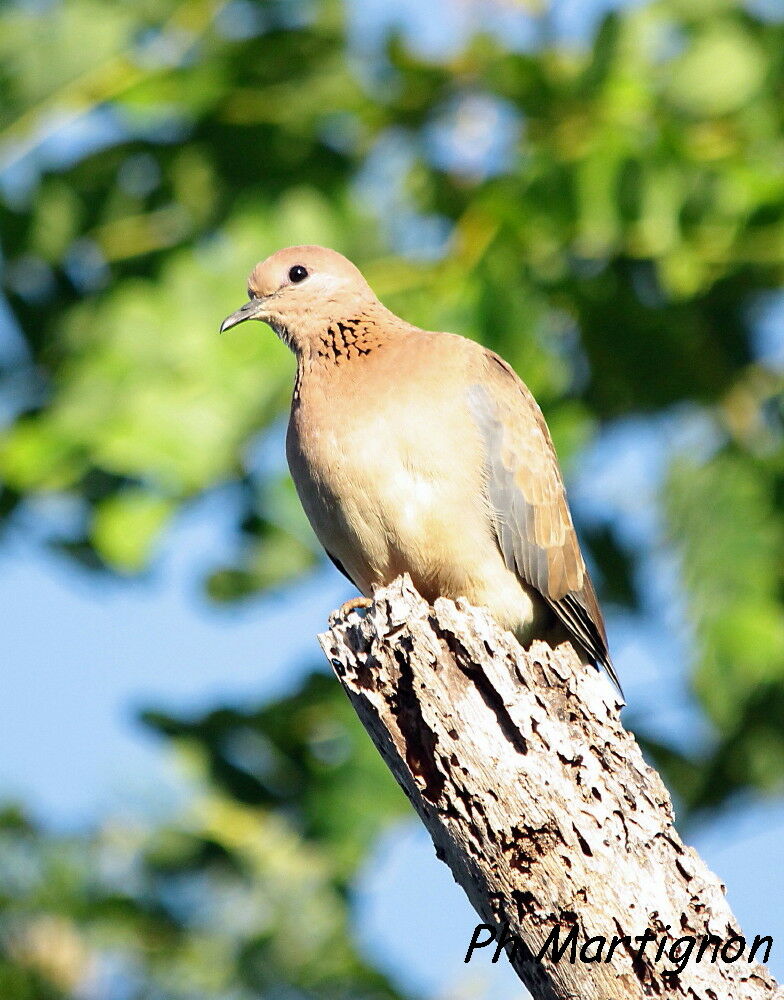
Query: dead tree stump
(541, 804)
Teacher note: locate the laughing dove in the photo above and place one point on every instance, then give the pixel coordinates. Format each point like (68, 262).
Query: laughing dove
(422, 453)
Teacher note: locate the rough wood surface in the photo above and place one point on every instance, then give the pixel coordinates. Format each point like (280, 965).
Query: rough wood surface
(537, 798)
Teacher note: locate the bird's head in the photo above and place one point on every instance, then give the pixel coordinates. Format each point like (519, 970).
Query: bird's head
(299, 289)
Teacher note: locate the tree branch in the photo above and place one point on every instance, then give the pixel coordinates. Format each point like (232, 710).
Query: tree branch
(539, 801)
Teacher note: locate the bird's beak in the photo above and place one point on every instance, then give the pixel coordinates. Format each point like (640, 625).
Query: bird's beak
(251, 310)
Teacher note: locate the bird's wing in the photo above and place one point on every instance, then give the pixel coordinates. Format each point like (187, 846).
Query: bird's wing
(531, 517)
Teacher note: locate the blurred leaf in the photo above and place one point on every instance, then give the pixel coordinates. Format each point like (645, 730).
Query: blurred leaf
(719, 72)
(212, 904)
(126, 526)
(308, 755)
(617, 566)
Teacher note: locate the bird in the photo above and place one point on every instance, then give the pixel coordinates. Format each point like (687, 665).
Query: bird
(422, 452)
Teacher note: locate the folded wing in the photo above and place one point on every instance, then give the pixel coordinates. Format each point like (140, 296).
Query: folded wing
(531, 517)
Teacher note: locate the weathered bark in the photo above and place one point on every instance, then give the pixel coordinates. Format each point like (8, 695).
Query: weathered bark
(537, 799)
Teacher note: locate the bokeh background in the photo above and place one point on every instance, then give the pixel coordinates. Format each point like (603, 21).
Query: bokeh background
(596, 190)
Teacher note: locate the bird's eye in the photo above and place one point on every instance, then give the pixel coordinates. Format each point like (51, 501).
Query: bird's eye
(298, 273)
(251, 294)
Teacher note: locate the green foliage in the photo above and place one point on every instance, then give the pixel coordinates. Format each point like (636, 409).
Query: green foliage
(226, 900)
(733, 572)
(307, 757)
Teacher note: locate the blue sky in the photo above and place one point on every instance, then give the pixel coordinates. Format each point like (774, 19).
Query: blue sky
(85, 654)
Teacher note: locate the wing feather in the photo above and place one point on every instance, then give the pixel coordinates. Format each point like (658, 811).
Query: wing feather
(531, 516)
